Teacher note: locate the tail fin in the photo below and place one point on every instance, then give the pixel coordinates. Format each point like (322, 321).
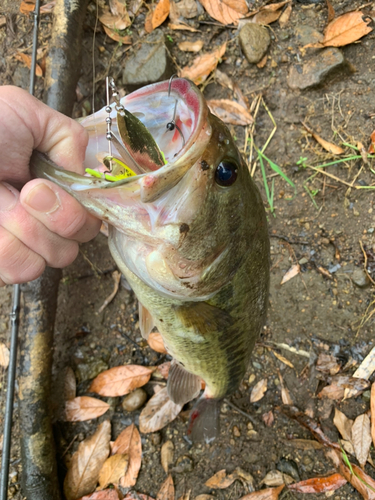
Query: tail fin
(204, 420)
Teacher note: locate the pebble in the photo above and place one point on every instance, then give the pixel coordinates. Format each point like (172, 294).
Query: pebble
(254, 41)
(360, 278)
(183, 464)
(134, 400)
(236, 432)
(89, 370)
(307, 34)
(316, 69)
(156, 438)
(149, 63)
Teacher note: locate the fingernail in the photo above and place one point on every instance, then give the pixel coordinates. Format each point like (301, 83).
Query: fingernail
(8, 198)
(42, 199)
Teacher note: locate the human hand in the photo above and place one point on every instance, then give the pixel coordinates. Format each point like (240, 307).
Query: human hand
(42, 224)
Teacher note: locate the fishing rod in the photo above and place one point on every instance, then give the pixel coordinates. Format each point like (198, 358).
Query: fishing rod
(15, 317)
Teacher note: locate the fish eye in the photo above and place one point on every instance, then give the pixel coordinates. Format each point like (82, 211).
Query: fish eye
(226, 173)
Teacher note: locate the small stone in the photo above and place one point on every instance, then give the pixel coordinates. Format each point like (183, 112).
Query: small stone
(307, 34)
(366, 395)
(184, 464)
(90, 370)
(360, 278)
(134, 400)
(303, 261)
(252, 434)
(316, 69)
(156, 438)
(254, 41)
(236, 432)
(149, 63)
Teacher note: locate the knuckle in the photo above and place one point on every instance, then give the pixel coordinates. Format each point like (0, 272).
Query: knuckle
(65, 256)
(74, 225)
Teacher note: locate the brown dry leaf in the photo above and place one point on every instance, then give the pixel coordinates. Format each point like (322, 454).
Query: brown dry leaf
(225, 11)
(304, 444)
(285, 16)
(117, 7)
(328, 146)
(373, 413)
(223, 79)
(129, 443)
(113, 469)
(155, 341)
(84, 408)
(204, 496)
(203, 65)
(86, 463)
(182, 26)
(195, 46)
(156, 17)
(134, 6)
(120, 380)
(116, 37)
(258, 391)
(70, 384)
(268, 14)
(115, 22)
(4, 355)
(110, 494)
(339, 384)
(163, 369)
(331, 12)
(262, 62)
(328, 364)
(319, 484)
(282, 359)
(293, 271)
(158, 412)
(343, 424)
(222, 480)
(27, 7)
(372, 148)
(166, 491)
(367, 366)
(3, 21)
(26, 59)
(266, 494)
(361, 438)
(166, 455)
(133, 495)
(285, 394)
(230, 112)
(187, 9)
(268, 418)
(276, 478)
(47, 8)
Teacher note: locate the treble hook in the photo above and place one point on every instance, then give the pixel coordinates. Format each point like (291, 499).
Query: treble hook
(172, 124)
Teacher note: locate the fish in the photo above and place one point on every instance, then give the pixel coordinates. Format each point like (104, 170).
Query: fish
(188, 230)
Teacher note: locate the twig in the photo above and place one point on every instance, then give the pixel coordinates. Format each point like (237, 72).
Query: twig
(232, 405)
(365, 262)
(116, 278)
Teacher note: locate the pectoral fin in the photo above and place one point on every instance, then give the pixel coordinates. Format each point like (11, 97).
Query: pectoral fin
(146, 321)
(204, 318)
(182, 386)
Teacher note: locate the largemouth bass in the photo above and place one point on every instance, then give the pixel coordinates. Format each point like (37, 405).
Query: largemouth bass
(190, 236)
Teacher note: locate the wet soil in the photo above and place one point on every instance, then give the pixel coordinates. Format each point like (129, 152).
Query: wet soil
(319, 310)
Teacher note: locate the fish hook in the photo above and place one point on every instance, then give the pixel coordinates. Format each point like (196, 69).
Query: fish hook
(172, 124)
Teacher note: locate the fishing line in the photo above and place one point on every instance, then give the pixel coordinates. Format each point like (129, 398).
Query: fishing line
(15, 317)
(172, 124)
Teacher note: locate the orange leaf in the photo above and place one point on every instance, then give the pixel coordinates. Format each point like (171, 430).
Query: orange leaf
(84, 408)
(319, 484)
(86, 463)
(331, 12)
(182, 26)
(113, 469)
(166, 491)
(230, 112)
(328, 146)
(203, 65)
(3, 21)
(27, 7)
(116, 37)
(373, 413)
(222, 480)
(109, 494)
(340, 383)
(268, 13)
(284, 18)
(4, 355)
(293, 271)
(26, 59)
(118, 22)
(129, 442)
(159, 411)
(226, 11)
(266, 494)
(372, 149)
(155, 341)
(157, 16)
(120, 380)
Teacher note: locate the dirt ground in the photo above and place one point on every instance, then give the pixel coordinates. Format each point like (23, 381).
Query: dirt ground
(312, 312)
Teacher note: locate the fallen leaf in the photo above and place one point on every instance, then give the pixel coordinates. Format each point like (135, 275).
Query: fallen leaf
(82, 475)
(361, 438)
(4, 355)
(372, 145)
(163, 369)
(268, 418)
(324, 272)
(230, 112)
(166, 491)
(266, 17)
(204, 496)
(285, 16)
(117, 7)
(113, 469)
(373, 413)
(319, 484)
(84, 408)
(266, 494)
(258, 390)
(157, 16)
(27, 7)
(223, 79)
(129, 443)
(328, 146)
(203, 65)
(195, 46)
(26, 59)
(222, 480)
(134, 6)
(120, 380)
(328, 364)
(304, 444)
(285, 394)
(343, 424)
(115, 22)
(158, 412)
(3, 21)
(109, 494)
(336, 389)
(166, 455)
(182, 26)
(186, 8)
(293, 271)
(262, 62)
(331, 12)
(348, 446)
(114, 35)
(155, 341)
(282, 359)
(70, 384)
(133, 495)
(367, 367)
(276, 478)
(226, 11)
